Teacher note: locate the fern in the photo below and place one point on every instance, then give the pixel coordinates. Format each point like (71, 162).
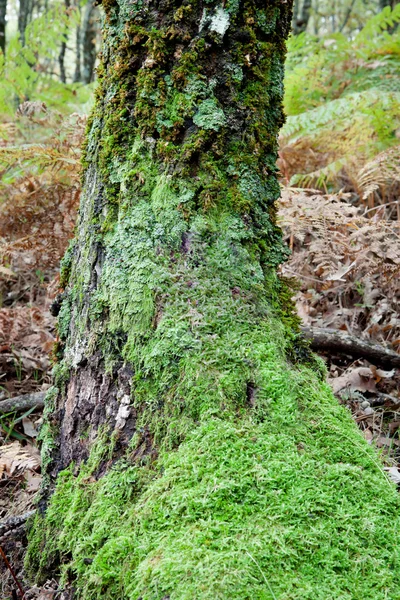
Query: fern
(381, 172)
(27, 71)
(341, 109)
(377, 24)
(343, 103)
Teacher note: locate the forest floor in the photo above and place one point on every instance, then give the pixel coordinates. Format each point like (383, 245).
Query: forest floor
(345, 256)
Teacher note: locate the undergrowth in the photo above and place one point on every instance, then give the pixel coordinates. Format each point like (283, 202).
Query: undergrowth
(342, 99)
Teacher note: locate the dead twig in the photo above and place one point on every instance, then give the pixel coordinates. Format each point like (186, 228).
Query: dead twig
(21, 403)
(9, 567)
(333, 340)
(14, 522)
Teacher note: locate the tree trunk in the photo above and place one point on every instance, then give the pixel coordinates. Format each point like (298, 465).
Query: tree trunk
(295, 16)
(190, 445)
(3, 21)
(301, 18)
(63, 48)
(89, 32)
(78, 58)
(23, 18)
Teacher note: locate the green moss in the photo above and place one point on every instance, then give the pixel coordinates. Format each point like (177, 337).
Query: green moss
(65, 266)
(278, 503)
(64, 317)
(48, 431)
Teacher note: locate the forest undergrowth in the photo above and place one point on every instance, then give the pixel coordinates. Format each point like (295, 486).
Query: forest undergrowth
(340, 215)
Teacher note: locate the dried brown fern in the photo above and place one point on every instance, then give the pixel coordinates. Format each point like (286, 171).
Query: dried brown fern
(381, 174)
(348, 264)
(39, 195)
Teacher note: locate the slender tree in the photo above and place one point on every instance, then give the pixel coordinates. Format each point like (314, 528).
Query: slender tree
(301, 16)
(89, 34)
(63, 48)
(191, 448)
(3, 21)
(78, 57)
(24, 11)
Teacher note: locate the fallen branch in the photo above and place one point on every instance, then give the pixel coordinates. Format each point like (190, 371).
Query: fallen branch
(21, 403)
(333, 340)
(14, 522)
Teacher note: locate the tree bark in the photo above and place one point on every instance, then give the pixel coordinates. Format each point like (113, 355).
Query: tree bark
(3, 21)
(89, 32)
(190, 446)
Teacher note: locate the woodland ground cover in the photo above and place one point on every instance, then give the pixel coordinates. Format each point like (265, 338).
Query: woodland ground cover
(340, 176)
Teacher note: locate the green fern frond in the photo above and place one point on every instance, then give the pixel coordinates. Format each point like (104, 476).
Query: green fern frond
(338, 110)
(319, 178)
(377, 24)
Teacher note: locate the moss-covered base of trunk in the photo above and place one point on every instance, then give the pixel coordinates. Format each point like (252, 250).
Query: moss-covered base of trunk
(282, 499)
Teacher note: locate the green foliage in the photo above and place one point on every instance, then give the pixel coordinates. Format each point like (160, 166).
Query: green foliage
(26, 71)
(342, 98)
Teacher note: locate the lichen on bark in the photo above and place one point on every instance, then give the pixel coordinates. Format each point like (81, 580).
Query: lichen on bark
(231, 472)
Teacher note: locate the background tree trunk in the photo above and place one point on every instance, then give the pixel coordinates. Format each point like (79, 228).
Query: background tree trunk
(78, 58)
(89, 33)
(191, 446)
(301, 16)
(3, 21)
(23, 18)
(63, 48)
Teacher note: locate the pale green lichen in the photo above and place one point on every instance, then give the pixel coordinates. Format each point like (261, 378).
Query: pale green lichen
(209, 115)
(216, 20)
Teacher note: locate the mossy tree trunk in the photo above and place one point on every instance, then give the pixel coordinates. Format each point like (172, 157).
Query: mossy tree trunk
(191, 447)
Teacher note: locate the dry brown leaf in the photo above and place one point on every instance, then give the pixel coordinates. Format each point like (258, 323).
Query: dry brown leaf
(33, 481)
(15, 457)
(360, 379)
(394, 474)
(7, 272)
(29, 427)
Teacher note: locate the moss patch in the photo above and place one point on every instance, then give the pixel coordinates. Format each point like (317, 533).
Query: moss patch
(288, 502)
